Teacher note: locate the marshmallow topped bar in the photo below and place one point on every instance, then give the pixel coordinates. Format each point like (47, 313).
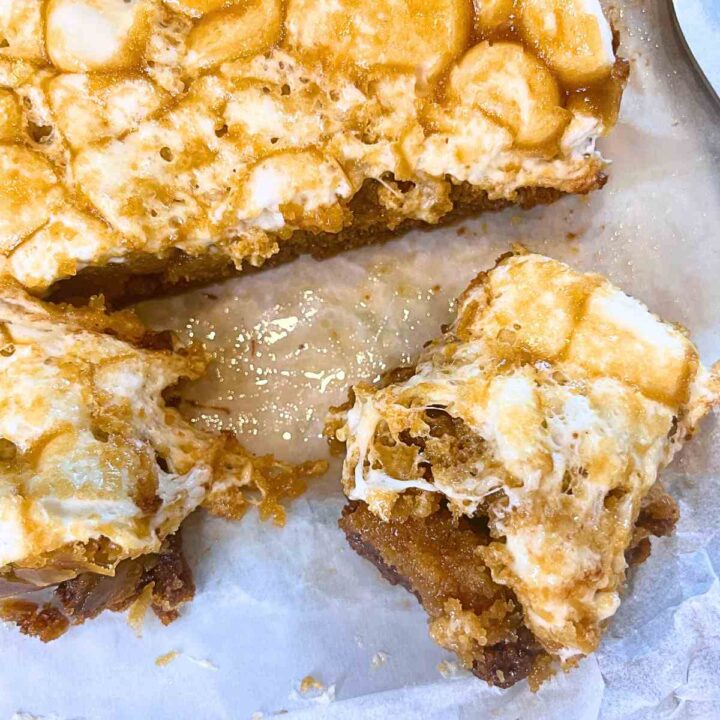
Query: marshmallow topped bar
(544, 413)
(97, 470)
(178, 140)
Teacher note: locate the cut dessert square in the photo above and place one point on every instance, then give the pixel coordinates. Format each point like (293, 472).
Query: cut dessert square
(97, 470)
(509, 477)
(189, 138)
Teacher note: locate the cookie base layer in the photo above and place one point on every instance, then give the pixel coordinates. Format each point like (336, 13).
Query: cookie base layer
(433, 559)
(150, 276)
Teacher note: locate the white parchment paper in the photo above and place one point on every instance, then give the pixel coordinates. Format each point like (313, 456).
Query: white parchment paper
(276, 605)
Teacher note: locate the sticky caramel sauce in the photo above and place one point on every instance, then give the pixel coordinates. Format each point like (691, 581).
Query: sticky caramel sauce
(600, 98)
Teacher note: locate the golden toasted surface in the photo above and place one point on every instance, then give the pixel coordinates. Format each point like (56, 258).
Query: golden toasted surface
(136, 132)
(549, 407)
(95, 467)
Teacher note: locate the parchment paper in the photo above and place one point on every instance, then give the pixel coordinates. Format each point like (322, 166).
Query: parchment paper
(276, 605)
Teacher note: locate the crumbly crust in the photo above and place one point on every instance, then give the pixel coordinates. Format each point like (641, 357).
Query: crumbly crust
(121, 285)
(433, 558)
(165, 575)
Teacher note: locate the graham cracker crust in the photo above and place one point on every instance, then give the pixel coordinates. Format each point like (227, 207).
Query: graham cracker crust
(150, 276)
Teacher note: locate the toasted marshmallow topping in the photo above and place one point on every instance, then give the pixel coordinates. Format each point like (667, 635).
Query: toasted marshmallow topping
(549, 406)
(239, 31)
(94, 468)
(84, 35)
(572, 35)
(514, 88)
(424, 37)
(21, 27)
(305, 180)
(10, 116)
(29, 192)
(158, 123)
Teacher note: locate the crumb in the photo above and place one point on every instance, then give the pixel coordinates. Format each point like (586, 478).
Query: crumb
(571, 236)
(309, 683)
(167, 658)
(42, 621)
(311, 688)
(450, 669)
(435, 289)
(378, 660)
(137, 611)
(461, 230)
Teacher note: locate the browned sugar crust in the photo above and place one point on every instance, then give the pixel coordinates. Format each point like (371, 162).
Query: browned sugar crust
(435, 559)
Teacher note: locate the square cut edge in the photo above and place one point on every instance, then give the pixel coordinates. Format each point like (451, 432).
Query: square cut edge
(544, 413)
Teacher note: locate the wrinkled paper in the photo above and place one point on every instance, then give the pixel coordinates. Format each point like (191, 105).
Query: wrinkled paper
(275, 605)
